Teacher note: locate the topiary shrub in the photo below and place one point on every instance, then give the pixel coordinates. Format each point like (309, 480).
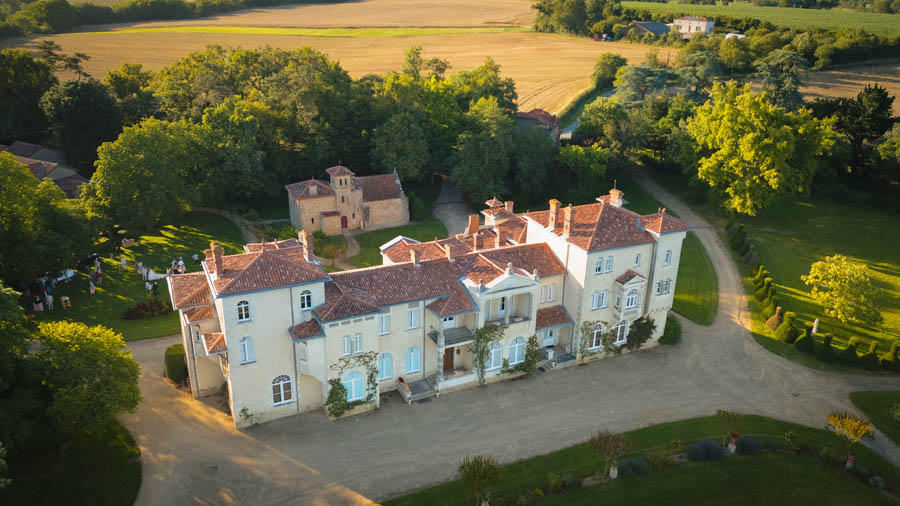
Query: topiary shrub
(869, 361)
(176, 363)
(632, 466)
(824, 351)
(760, 275)
(889, 363)
(704, 450)
(744, 250)
(760, 294)
(775, 321)
(805, 343)
(785, 332)
(672, 332)
(769, 311)
(747, 446)
(848, 356)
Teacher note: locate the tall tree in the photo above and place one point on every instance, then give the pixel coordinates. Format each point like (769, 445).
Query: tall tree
(699, 71)
(605, 69)
(90, 373)
(400, 144)
(533, 159)
(734, 54)
(863, 120)
(414, 64)
(634, 82)
(587, 164)
(23, 81)
(756, 152)
(780, 74)
(230, 137)
(82, 115)
(483, 82)
(484, 151)
(606, 121)
(129, 84)
(845, 289)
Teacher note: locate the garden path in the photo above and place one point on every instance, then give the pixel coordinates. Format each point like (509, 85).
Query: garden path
(306, 459)
(353, 249)
(451, 209)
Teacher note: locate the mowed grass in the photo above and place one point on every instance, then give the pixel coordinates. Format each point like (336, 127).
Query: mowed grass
(370, 242)
(123, 289)
(548, 69)
(762, 479)
(883, 24)
(876, 406)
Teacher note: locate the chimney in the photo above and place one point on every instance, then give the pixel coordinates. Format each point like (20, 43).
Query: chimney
(499, 239)
(475, 242)
(567, 220)
(615, 197)
(306, 244)
(508, 205)
(217, 252)
(447, 252)
(554, 213)
(414, 256)
(313, 188)
(473, 224)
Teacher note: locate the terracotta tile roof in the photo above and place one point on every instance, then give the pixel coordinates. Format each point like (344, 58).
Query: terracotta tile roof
(71, 185)
(189, 290)
(200, 314)
(663, 223)
(382, 187)
(307, 329)
(480, 269)
(551, 316)
(214, 343)
(339, 170)
(527, 257)
(541, 116)
(39, 168)
(301, 190)
(458, 302)
(264, 270)
(598, 226)
(24, 149)
(628, 276)
(494, 203)
(343, 301)
(264, 246)
(517, 229)
(498, 212)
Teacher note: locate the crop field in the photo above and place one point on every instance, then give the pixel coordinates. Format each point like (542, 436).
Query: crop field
(371, 13)
(549, 70)
(849, 82)
(885, 24)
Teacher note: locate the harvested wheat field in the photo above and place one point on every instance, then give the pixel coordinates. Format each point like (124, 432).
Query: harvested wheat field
(849, 82)
(549, 70)
(369, 13)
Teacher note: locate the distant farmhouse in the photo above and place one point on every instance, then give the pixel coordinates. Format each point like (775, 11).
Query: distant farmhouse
(652, 27)
(689, 25)
(348, 202)
(539, 118)
(40, 161)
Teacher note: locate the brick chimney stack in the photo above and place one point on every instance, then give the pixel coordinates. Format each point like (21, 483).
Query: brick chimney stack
(616, 197)
(508, 205)
(567, 220)
(313, 189)
(307, 245)
(554, 213)
(475, 242)
(217, 253)
(473, 224)
(414, 256)
(499, 239)
(447, 252)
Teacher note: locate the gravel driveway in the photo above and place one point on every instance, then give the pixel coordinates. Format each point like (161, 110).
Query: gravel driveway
(305, 459)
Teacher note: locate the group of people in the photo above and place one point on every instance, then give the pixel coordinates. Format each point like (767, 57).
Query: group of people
(43, 294)
(177, 266)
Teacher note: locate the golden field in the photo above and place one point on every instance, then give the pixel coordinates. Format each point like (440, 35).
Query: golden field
(849, 82)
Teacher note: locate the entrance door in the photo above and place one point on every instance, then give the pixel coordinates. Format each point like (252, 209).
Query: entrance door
(501, 312)
(448, 359)
(549, 338)
(448, 323)
(343, 222)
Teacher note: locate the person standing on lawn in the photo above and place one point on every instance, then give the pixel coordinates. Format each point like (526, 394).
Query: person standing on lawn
(124, 263)
(92, 287)
(99, 277)
(38, 305)
(148, 287)
(155, 289)
(49, 299)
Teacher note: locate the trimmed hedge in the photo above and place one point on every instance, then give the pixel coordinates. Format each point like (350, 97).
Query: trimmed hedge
(746, 445)
(704, 450)
(672, 332)
(176, 363)
(869, 361)
(824, 351)
(805, 343)
(848, 356)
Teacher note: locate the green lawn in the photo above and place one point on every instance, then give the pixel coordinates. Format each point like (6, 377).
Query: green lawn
(704, 483)
(369, 242)
(697, 287)
(876, 406)
(884, 24)
(121, 290)
(99, 471)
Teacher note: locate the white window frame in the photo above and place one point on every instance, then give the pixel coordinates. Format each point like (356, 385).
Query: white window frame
(353, 382)
(517, 351)
(604, 299)
(494, 358)
(552, 296)
(246, 350)
(384, 324)
(621, 333)
(631, 299)
(595, 301)
(413, 360)
(610, 260)
(414, 316)
(305, 299)
(618, 300)
(637, 260)
(596, 338)
(243, 311)
(598, 267)
(659, 288)
(353, 345)
(543, 293)
(667, 261)
(667, 286)
(385, 373)
(280, 382)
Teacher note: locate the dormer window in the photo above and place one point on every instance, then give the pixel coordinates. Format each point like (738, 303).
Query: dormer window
(243, 311)
(305, 299)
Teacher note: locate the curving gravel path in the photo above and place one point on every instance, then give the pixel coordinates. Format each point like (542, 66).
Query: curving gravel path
(306, 459)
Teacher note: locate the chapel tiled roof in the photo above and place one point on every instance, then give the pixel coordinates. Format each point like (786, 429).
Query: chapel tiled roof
(189, 290)
(339, 170)
(265, 269)
(380, 187)
(214, 343)
(628, 276)
(551, 316)
(200, 314)
(306, 329)
(301, 190)
(663, 223)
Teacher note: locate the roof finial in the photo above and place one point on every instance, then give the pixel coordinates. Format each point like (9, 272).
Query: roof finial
(614, 185)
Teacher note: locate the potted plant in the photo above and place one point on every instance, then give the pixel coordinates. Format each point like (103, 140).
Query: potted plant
(732, 446)
(614, 469)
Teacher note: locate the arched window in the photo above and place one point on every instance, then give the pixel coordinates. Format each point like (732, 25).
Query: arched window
(621, 333)
(353, 382)
(305, 299)
(596, 338)
(385, 366)
(243, 310)
(598, 267)
(631, 299)
(342, 199)
(609, 263)
(412, 360)
(495, 357)
(281, 390)
(517, 351)
(246, 350)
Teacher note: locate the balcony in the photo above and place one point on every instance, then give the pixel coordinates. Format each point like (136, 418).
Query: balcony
(453, 337)
(501, 322)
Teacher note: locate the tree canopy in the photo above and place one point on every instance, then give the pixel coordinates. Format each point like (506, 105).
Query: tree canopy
(400, 144)
(23, 81)
(484, 151)
(845, 289)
